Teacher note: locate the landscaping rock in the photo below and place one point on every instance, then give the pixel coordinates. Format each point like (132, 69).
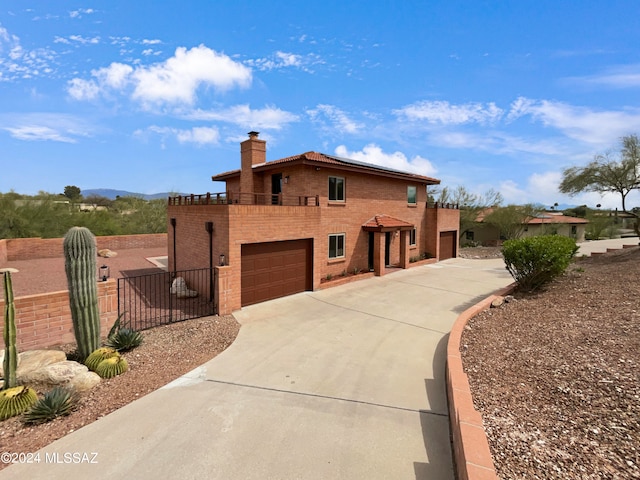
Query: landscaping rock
(85, 381)
(179, 287)
(55, 374)
(498, 302)
(35, 359)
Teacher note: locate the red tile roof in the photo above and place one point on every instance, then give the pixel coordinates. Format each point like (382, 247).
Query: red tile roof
(316, 158)
(380, 222)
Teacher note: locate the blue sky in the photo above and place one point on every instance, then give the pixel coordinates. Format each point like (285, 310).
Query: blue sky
(156, 96)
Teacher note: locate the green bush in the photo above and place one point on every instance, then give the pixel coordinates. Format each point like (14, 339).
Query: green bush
(535, 261)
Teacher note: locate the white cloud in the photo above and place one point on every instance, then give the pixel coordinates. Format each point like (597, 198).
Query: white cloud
(197, 135)
(442, 112)
(83, 89)
(243, 115)
(626, 76)
(580, 123)
(285, 60)
(174, 81)
(337, 117)
(19, 62)
(372, 153)
(44, 127)
(83, 40)
(151, 42)
(80, 12)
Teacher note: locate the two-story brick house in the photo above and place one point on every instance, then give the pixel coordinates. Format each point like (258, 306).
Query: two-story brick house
(284, 225)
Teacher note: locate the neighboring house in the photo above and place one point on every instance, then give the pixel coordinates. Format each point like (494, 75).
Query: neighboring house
(283, 226)
(547, 223)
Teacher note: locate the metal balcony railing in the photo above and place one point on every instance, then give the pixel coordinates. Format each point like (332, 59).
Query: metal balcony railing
(236, 198)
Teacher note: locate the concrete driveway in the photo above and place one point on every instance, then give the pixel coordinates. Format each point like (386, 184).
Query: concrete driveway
(343, 383)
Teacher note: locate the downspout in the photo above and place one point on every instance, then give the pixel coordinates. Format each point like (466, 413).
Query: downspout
(209, 228)
(173, 224)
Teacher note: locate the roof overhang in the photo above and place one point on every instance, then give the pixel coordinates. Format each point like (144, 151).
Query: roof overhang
(386, 223)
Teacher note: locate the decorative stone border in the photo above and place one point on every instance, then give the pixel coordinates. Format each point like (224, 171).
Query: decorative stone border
(472, 456)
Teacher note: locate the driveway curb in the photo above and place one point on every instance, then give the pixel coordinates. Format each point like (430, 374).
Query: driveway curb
(471, 453)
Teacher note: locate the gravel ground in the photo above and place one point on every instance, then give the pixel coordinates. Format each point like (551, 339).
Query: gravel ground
(556, 375)
(188, 344)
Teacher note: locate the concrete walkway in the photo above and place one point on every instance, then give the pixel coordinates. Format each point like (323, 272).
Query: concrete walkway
(342, 383)
(600, 246)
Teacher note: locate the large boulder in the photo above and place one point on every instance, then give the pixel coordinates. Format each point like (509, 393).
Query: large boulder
(36, 359)
(180, 289)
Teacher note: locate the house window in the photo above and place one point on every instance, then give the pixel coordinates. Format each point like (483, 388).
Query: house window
(411, 195)
(469, 235)
(336, 189)
(336, 245)
(574, 230)
(412, 237)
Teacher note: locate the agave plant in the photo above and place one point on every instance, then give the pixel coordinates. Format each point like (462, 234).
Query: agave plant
(112, 366)
(98, 356)
(15, 400)
(124, 340)
(58, 402)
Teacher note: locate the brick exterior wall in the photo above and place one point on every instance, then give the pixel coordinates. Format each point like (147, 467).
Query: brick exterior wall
(366, 195)
(44, 321)
(28, 248)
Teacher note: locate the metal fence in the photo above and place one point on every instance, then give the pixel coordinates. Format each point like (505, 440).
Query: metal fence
(159, 298)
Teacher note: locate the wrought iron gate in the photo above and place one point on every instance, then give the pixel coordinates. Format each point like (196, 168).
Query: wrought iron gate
(160, 298)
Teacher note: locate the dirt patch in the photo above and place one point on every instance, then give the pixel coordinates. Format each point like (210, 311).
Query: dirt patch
(556, 375)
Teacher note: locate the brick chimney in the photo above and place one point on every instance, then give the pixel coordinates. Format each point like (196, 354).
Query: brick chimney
(252, 152)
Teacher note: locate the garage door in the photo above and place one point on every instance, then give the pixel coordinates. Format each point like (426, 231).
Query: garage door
(448, 245)
(275, 269)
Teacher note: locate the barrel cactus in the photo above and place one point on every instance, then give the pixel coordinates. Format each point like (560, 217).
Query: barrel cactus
(98, 356)
(80, 265)
(112, 366)
(15, 400)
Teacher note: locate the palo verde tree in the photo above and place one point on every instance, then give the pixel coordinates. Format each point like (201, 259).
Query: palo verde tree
(511, 220)
(606, 173)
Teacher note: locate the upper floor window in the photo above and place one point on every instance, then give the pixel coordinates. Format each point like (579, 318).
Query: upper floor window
(336, 245)
(336, 189)
(412, 195)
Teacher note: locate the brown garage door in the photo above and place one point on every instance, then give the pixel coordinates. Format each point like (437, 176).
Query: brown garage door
(447, 245)
(275, 269)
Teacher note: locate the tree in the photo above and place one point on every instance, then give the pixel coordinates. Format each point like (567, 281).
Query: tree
(72, 192)
(511, 220)
(607, 174)
(470, 204)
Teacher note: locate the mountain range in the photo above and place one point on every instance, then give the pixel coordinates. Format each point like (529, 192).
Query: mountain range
(112, 194)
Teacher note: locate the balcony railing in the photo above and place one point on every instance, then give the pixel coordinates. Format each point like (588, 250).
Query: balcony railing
(235, 198)
(453, 206)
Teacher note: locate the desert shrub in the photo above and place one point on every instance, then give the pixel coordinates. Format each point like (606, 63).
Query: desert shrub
(535, 261)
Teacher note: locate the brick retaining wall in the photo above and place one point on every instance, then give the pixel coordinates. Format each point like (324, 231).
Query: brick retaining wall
(29, 248)
(44, 320)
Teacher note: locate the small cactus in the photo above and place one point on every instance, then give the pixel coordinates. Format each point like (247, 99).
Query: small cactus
(80, 266)
(10, 363)
(15, 400)
(112, 366)
(98, 356)
(58, 402)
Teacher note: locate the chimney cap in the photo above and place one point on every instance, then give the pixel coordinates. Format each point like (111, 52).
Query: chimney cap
(253, 134)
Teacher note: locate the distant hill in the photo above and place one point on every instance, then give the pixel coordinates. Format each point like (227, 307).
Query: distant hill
(112, 194)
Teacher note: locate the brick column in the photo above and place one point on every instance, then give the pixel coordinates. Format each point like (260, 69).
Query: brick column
(404, 249)
(223, 291)
(379, 246)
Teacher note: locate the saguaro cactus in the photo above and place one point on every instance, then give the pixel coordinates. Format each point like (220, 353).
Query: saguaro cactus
(10, 364)
(80, 265)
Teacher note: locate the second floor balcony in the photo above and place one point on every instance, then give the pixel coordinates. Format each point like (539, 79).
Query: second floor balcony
(248, 198)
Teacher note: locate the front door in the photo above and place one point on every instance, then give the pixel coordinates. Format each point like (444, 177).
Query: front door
(276, 188)
(387, 249)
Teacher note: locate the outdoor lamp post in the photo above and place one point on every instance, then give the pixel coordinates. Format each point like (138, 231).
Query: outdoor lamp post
(104, 272)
